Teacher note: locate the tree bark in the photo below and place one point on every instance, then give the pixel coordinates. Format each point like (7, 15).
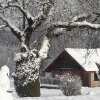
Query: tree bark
(28, 63)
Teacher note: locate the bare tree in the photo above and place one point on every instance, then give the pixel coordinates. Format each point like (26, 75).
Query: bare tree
(28, 61)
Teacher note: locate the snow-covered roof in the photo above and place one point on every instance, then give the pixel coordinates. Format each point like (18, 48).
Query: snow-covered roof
(86, 58)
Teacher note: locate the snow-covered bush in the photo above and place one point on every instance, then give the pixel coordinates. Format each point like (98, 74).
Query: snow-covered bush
(70, 85)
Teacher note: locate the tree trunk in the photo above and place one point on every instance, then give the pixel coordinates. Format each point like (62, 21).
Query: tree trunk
(26, 78)
(27, 69)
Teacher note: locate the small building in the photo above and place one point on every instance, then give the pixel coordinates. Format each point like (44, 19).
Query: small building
(81, 62)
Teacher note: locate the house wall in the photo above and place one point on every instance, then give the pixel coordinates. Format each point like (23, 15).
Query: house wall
(86, 78)
(92, 81)
(95, 84)
(91, 78)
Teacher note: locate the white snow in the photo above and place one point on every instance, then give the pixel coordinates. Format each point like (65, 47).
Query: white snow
(4, 78)
(44, 48)
(86, 58)
(4, 95)
(5, 84)
(56, 94)
(17, 56)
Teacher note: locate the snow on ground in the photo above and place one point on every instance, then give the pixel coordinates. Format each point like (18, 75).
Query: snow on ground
(91, 91)
(4, 95)
(56, 94)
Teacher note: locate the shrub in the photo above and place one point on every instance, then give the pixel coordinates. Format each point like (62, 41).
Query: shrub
(71, 85)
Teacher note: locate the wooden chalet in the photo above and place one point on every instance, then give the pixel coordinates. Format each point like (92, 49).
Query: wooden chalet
(81, 62)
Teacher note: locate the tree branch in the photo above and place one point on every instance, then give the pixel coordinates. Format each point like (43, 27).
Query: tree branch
(3, 26)
(86, 24)
(14, 29)
(27, 15)
(42, 16)
(38, 20)
(34, 23)
(81, 17)
(75, 24)
(71, 25)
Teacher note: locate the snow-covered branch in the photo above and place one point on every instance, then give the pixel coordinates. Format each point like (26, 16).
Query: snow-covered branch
(3, 26)
(13, 28)
(39, 19)
(81, 17)
(78, 21)
(46, 42)
(27, 15)
(43, 15)
(86, 24)
(76, 24)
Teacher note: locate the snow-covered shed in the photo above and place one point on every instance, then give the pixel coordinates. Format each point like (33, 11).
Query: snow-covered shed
(82, 62)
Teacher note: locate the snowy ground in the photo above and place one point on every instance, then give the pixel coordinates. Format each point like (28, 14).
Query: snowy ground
(56, 94)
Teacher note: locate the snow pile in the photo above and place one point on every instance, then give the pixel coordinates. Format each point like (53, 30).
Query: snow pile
(5, 83)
